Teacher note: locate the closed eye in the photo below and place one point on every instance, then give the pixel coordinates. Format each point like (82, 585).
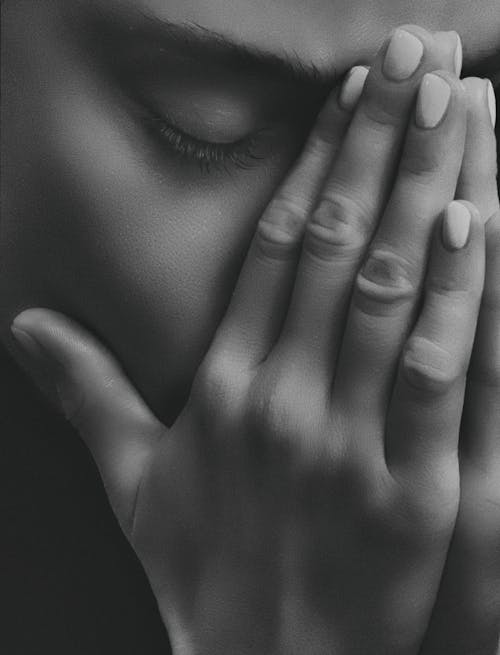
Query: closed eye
(208, 155)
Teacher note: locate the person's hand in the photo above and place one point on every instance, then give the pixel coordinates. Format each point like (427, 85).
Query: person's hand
(306, 496)
(466, 618)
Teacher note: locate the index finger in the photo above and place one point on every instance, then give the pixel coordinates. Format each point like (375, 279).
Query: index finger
(255, 313)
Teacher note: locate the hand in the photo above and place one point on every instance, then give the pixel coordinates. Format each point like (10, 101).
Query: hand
(469, 595)
(307, 494)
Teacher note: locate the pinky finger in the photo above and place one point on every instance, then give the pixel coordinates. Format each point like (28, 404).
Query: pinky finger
(426, 407)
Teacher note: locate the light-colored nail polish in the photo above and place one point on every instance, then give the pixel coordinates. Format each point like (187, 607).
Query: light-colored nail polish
(403, 56)
(432, 101)
(492, 102)
(353, 87)
(456, 226)
(458, 56)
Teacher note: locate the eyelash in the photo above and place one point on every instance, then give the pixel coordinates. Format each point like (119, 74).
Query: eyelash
(207, 154)
(210, 155)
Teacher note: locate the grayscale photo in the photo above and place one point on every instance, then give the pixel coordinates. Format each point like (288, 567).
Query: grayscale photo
(250, 327)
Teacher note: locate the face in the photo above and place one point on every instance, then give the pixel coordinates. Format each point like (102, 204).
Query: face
(140, 150)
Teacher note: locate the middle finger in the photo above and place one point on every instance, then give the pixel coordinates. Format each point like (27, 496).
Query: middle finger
(354, 195)
(388, 287)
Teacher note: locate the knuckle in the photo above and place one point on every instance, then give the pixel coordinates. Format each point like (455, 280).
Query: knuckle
(279, 231)
(328, 464)
(429, 368)
(272, 410)
(373, 495)
(218, 384)
(426, 505)
(336, 227)
(431, 517)
(384, 281)
(274, 413)
(368, 487)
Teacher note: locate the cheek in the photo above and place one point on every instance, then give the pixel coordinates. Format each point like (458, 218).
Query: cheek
(159, 254)
(142, 253)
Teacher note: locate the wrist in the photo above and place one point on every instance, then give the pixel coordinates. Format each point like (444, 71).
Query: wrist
(221, 632)
(240, 620)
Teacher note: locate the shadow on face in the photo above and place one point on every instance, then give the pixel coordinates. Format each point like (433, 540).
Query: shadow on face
(138, 154)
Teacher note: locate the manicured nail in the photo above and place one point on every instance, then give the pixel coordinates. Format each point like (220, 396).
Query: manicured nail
(453, 39)
(458, 56)
(353, 87)
(456, 226)
(492, 102)
(403, 55)
(26, 342)
(433, 100)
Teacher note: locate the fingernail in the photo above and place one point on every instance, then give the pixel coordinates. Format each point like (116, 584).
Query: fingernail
(492, 102)
(403, 55)
(452, 39)
(353, 87)
(39, 365)
(456, 226)
(458, 56)
(433, 100)
(32, 347)
(26, 342)
(42, 369)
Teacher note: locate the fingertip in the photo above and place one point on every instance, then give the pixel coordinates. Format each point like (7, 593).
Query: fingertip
(45, 325)
(458, 54)
(416, 30)
(473, 210)
(477, 220)
(456, 85)
(33, 330)
(456, 226)
(453, 44)
(30, 318)
(352, 87)
(461, 222)
(481, 98)
(491, 102)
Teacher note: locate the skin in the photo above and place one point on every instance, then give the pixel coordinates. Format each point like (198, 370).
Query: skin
(134, 286)
(277, 171)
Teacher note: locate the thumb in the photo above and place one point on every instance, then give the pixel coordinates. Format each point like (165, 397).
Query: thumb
(98, 399)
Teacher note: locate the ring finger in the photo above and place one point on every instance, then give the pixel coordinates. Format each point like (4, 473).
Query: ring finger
(255, 314)
(388, 287)
(352, 199)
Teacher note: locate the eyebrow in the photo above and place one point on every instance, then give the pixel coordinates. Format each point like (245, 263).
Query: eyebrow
(205, 44)
(202, 43)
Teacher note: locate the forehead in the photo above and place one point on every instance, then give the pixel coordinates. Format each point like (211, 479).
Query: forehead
(334, 32)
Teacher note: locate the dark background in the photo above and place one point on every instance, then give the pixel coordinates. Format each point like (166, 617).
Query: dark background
(69, 581)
